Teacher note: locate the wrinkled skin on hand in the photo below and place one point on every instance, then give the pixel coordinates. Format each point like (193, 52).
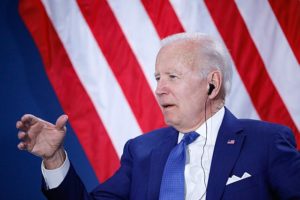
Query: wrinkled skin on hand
(42, 138)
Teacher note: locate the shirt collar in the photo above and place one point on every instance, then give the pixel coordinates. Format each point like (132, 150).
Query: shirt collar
(213, 125)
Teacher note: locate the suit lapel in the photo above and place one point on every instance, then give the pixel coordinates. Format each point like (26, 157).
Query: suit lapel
(227, 150)
(158, 158)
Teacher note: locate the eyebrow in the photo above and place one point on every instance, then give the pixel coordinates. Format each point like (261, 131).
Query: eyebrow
(168, 73)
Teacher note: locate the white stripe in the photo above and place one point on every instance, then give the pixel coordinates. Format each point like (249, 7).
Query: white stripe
(195, 17)
(140, 34)
(276, 53)
(93, 71)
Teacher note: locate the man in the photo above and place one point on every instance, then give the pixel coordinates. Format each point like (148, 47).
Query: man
(228, 159)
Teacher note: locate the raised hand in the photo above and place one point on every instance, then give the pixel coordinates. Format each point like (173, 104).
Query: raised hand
(43, 139)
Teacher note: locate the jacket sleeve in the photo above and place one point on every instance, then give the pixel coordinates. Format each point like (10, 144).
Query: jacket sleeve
(284, 165)
(117, 187)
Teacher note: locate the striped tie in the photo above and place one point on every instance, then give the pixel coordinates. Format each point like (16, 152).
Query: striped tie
(172, 185)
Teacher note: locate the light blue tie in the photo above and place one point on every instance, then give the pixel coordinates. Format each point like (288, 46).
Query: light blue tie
(172, 185)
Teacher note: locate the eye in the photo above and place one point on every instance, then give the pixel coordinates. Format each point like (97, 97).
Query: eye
(172, 76)
(157, 78)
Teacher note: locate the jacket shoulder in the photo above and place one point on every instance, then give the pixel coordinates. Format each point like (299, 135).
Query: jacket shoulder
(144, 144)
(155, 136)
(267, 130)
(263, 126)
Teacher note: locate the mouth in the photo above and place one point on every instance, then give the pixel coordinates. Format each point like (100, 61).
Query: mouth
(167, 106)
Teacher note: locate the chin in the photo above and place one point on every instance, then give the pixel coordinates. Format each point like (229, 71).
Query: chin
(171, 122)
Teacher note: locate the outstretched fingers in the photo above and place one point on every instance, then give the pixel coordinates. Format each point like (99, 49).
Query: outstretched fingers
(61, 122)
(24, 140)
(24, 125)
(21, 126)
(22, 135)
(22, 146)
(40, 137)
(26, 121)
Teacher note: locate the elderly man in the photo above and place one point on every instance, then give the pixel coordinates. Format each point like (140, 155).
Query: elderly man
(204, 153)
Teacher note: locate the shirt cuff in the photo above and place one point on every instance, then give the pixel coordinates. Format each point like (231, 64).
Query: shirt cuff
(54, 177)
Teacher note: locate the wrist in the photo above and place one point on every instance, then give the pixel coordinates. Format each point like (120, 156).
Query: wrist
(56, 160)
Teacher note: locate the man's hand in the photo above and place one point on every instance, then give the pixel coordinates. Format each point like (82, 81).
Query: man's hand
(43, 139)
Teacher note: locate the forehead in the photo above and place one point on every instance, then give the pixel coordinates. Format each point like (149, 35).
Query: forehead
(178, 56)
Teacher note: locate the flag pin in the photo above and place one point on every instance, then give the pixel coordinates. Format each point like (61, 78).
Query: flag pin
(230, 141)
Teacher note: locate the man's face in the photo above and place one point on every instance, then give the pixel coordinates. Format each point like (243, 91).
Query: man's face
(181, 92)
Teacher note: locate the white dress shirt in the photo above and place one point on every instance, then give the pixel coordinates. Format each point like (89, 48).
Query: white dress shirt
(194, 175)
(54, 177)
(195, 188)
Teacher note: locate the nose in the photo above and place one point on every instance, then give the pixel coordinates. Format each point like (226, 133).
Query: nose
(161, 88)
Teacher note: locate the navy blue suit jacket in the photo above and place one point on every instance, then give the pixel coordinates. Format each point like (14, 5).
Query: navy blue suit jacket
(266, 151)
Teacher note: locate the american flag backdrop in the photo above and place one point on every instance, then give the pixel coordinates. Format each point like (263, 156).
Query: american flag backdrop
(99, 57)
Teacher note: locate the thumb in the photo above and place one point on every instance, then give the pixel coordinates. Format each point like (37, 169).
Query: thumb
(61, 122)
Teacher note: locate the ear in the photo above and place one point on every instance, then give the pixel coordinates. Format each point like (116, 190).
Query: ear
(214, 78)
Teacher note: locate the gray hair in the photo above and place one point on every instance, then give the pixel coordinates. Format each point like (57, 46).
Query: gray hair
(214, 53)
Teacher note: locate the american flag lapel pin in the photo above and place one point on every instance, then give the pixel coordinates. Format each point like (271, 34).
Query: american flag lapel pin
(231, 142)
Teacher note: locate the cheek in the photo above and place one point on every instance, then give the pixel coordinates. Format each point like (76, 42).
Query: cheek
(190, 93)
(194, 93)
(195, 100)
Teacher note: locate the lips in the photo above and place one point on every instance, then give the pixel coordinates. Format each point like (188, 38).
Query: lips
(166, 106)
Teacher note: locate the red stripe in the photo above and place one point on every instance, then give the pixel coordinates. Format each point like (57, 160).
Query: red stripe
(288, 16)
(69, 90)
(249, 63)
(123, 63)
(163, 17)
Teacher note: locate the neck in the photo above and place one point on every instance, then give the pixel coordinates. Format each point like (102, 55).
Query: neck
(212, 107)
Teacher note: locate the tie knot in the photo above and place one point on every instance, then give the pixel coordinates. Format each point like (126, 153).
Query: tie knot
(190, 137)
